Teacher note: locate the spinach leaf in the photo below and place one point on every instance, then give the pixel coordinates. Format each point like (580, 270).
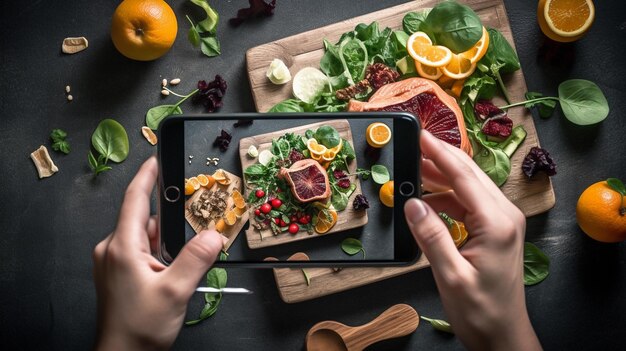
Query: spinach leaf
(354, 59)
(583, 102)
(330, 63)
(499, 58)
(110, 140)
(155, 115)
(210, 46)
(453, 25)
(347, 151)
(495, 163)
(478, 87)
(412, 21)
(289, 105)
(58, 141)
(352, 246)
(215, 278)
(536, 264)
(327, 136)
(439, 324)
(193, 35)
(256, 169)
(380, 174)
(203, 34)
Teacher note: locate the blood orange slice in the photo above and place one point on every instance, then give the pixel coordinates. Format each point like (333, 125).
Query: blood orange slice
(437, 111)
(307, 179)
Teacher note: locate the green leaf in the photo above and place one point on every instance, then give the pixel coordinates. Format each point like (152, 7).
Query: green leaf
(536, 264)
(583, 102)
(110, 140)
(256, 169)
(210, 46)
(102, 168)
(216, 278)
(617, 185)
(155, 115)
(412, 21)
(209, 23)
(545, 107)
(352, 246)
(380, 174)
(453, 25)
(494, 162)
(339, 200)
(289, 105)
(193, 36)
(500, 53)
(439, 324)
(58, 135)
(93, 164)
(478, 87)
(327, 136)
(348, 151)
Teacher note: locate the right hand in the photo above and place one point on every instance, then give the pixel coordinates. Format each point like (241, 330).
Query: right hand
(481, 286)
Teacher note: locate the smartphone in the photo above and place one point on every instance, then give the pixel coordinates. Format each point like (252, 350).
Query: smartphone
(331, 186)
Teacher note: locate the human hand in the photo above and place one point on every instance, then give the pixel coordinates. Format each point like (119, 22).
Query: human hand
(481, 286)
(141, 302)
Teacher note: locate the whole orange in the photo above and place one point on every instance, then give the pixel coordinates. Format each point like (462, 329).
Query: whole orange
(143, 30)
(598, 213)
(386, 194)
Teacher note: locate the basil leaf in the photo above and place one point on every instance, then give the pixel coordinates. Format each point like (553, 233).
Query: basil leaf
(256, 169)
(58, 135)
(93, 164)
(582, 102)
(500, 53)
(439, 324)
(536, 264)
(110, 140)
(327, 136)
(155, 115)
(453, 25)
(495, 163)
(380, 174)
(617, 185)
(210, 46)
(352, 246)
(412, 21)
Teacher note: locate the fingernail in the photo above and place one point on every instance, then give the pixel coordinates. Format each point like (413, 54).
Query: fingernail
(415, 211)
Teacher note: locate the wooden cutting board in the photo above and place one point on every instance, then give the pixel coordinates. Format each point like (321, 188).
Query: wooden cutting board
(532, 196)
(346, 219)
(231, 232)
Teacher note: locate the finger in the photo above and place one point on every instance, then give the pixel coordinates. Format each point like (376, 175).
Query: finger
(456, 167)
(432, 179)
(135, 210)
(99, 254)
(446, 202)
(194, 260)
(432, 236)
(153, 233)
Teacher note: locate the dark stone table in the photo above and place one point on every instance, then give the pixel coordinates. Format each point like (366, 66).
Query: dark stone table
(50, 226)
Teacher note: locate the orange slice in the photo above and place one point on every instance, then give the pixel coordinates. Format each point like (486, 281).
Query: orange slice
(315, 148)
(457, 88)
(432, 73)
(420, 48)
(475, 53)
(565, 20)
(189, 190)
(238, 199)
(221, 177)
(323, 224)
(204, 180)
(239, 211)
(457, 229)
(230, 217)
(377, 134)
(194, 182)
(386, 194)
(220, 225)
(459, 67)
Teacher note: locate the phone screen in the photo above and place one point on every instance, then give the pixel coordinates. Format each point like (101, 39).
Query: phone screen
(325, 187)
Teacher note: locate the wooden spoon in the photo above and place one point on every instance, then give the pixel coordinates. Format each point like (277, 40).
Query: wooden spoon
(399, 320)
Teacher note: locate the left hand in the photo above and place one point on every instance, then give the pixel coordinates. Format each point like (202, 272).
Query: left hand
(141, 302)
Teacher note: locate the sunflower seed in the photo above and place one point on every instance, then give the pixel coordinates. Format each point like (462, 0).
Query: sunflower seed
(164, 82)
(165, 92)
(175, 81)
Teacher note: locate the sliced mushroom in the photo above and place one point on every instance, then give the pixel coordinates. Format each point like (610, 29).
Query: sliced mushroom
(43, 162)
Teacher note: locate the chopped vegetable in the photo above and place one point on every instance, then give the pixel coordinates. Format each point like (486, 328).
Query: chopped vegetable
(277, 72)
(253, 152)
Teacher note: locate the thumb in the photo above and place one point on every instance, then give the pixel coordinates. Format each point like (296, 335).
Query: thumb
(432, 236)
(195, 259)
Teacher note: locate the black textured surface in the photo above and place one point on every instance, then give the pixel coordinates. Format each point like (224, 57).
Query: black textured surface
(50, 226)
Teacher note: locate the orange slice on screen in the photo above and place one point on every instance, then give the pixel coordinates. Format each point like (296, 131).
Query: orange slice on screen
(377, 134)
(189, 190)
(238, 199)
(324, 223)
(432, 73)
(386, 194)
(475, 53)
(230, 217)
(194, 182)
(220, 225)
(221, 177)
(205, 180)
(421, 49)
(565, 20)
(316, 148)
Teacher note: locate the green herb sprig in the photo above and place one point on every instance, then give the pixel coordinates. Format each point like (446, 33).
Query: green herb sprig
(111, 142)
(352, 246)
(58, 141)
(204, 33)
(582, 102)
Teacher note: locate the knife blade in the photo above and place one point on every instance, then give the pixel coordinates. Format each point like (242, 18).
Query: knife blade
(224, 290)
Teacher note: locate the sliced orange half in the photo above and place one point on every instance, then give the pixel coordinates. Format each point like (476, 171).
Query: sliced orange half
(238, 199)
(420, 48)
(221, 177)
(316, 148)
(194, 182)
(324, 224)
(230, 217)
(459, 67)
(569, 18)
(432, 73)
(377, 134)
(189, 190)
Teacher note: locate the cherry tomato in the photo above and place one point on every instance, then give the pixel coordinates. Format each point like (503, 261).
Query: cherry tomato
(277, 220)
(303, 220)
(293, 218)
(259, 193)
(276, 203)
(308, 218)
(257, 212)
(266, 208)
(283, 223)
(294, 228)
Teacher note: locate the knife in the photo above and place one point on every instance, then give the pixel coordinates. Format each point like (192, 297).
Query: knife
(224, 290)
